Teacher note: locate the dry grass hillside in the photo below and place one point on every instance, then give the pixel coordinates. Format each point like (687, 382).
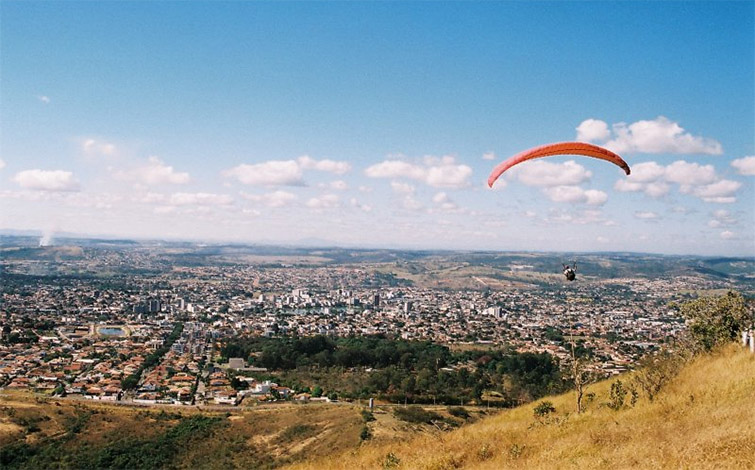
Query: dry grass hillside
(703, 419)
(42, 432)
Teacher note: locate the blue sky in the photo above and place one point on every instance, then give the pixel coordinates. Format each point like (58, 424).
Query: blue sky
(377, 123)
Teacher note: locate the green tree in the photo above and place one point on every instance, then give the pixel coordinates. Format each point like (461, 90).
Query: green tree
(617, 395)
(716, 320)
(317, 391)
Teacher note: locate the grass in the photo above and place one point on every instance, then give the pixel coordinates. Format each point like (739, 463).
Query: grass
(73, 434)
(702, 420)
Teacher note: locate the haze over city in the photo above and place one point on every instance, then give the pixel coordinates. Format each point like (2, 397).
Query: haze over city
(377, 124)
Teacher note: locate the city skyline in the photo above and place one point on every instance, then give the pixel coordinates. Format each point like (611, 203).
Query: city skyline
(376, 124)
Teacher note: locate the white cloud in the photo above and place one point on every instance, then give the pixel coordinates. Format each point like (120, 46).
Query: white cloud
(657, 189)
(436, 172)
(727, 235)
(626, 186)
(326, 201)
(444, 202)
(273, 199)
(646, 215)
(745, 165)
(199, 199)
(722, 218)
(721, 199)
(338, 185)
(714, 223)
(283, 172)
(2, 164)
(720, 192)
(411, 204)
(95, 200)
(407, 191)
(593, 130)
(654, 190)
(94, 147)
(659, 135)
(76, 199)
(47, 180)
(542, 173)
(395, 169)
(690, 174)
(593, 197)
(682, 210)
(150, 198)
(44, 99)
(270, 173)
(580, 217)
(448, 176)
(576, 195)
(162, 210)
(488, 156)
(358, 205)
(331, 166)
(153, 172)
(402, 188)
(600, 239)
(692, 178)
(646, 172)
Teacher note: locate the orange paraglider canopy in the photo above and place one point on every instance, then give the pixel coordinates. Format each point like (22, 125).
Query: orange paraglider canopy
(560, 148)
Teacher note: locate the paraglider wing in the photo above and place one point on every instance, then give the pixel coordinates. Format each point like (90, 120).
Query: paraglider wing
(561, 148)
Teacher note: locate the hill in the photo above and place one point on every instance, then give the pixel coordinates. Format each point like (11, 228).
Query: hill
(39, 432)
(702, 419)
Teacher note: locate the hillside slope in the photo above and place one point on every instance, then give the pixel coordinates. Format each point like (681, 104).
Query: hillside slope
(705, 418)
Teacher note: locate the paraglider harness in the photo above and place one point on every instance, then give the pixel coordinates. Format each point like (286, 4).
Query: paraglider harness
(570, 272)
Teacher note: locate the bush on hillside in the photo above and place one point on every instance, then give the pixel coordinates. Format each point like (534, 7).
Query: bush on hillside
(367, 416)
(543, 409)
(415, 414)
(716, 320)
(655, 371)
(459, 412)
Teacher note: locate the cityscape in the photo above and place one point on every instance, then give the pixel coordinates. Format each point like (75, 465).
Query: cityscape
(145, 323)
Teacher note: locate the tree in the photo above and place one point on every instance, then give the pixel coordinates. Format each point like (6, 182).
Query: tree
(716, 320)
(617, 395)
(580, 376)
(317, 391)
(656, 370)
(239, 384)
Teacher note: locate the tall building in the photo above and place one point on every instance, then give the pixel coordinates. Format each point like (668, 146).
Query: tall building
(154, 306)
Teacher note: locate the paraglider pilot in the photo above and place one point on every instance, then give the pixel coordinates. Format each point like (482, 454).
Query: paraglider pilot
(570, 272)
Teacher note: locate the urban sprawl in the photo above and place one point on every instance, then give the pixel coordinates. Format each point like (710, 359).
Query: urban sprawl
(69, 329)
